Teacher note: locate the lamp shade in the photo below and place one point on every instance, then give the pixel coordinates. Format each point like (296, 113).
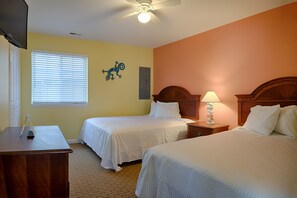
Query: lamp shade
(210, 96)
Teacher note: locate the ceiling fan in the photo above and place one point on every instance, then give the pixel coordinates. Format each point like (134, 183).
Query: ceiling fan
(145, 8)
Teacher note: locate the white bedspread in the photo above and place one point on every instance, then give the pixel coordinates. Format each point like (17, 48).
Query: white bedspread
(124, 139)
(237, 163)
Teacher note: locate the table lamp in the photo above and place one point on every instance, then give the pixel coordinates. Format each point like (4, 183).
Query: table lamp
(210, 97)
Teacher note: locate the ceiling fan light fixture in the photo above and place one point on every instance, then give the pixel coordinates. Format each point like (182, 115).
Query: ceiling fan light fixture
(144, 17)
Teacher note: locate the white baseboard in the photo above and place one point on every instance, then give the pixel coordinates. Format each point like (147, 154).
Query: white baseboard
(72, 141)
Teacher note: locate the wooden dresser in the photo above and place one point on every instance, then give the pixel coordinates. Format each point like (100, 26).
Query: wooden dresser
(34, 167)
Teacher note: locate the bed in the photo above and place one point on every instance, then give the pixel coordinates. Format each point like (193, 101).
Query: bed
(238, 163)
(124, 139)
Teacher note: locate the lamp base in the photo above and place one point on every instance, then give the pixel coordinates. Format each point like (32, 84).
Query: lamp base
(210, 122)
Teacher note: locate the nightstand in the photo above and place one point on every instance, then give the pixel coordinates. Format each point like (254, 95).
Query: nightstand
(197, 129)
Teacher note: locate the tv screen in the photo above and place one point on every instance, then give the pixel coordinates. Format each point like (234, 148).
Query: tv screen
(13, 21)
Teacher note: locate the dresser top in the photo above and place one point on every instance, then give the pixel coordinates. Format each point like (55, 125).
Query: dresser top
(203, 124)
(48, 139)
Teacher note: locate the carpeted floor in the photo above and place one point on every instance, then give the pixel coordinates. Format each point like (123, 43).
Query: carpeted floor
(88, 179)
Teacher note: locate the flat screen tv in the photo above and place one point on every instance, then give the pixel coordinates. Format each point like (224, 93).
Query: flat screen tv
(13, 21)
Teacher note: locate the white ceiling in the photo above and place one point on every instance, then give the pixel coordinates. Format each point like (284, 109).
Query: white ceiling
(98, 19)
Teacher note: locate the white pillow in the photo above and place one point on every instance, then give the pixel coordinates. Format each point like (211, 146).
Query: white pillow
(262, 119)
(287, 121)
(153, 108)
(167, 110)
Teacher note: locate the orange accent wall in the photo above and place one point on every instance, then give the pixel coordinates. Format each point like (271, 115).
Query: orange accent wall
(232, 59)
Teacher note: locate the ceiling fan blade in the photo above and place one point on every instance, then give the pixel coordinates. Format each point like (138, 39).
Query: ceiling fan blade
(154, 17)
(123, 8)
(165, 4)
(134, 2)
(127, 15)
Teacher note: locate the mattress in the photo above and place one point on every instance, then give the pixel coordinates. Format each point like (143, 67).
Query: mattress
(236, 163)
(124, 139)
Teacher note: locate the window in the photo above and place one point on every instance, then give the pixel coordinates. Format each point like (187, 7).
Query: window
(59, 79)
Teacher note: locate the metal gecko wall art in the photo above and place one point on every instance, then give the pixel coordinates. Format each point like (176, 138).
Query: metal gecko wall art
(116, 69)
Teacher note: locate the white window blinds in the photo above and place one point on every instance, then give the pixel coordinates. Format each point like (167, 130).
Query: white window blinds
(59, 79)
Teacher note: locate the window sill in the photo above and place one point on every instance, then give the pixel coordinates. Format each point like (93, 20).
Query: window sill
(59, 104)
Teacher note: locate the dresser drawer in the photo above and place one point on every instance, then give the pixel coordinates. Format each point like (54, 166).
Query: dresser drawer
(196, 132)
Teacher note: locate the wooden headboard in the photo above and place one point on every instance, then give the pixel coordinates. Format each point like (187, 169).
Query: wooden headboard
(188, 103)
(281, 91)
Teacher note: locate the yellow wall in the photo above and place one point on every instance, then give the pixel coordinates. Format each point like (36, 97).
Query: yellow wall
(106, 98)
(4, 83)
